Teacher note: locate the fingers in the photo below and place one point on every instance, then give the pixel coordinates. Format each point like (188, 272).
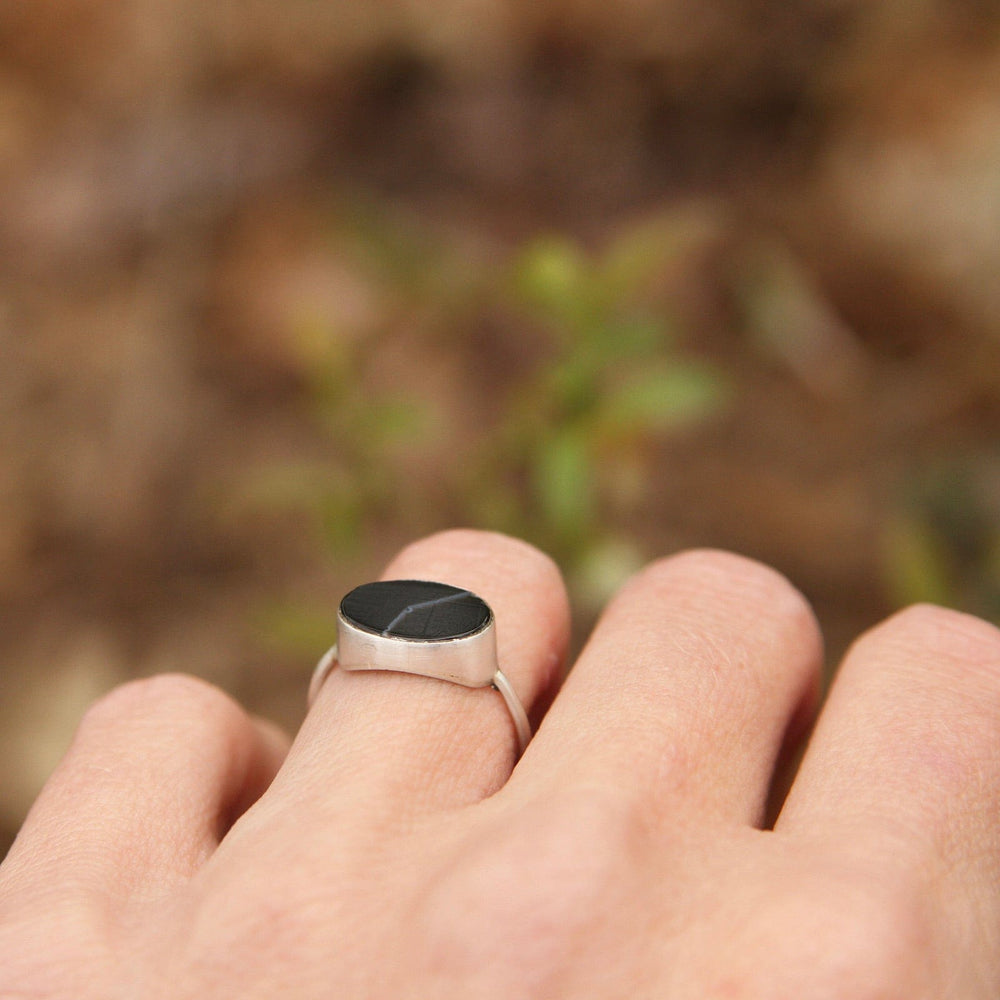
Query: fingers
(400, 743)
(157, 772)
(906, 755)
(684, 695)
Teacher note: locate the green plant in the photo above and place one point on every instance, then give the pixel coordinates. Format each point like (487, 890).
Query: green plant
(568, 459)
(578, 434)
(942, 540)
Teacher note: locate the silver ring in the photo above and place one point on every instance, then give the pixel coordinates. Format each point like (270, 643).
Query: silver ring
(421, 627)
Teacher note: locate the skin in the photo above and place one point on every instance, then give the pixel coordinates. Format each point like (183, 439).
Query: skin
(181, 850)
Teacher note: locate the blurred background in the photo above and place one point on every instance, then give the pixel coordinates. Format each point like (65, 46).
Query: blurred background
(286, 285)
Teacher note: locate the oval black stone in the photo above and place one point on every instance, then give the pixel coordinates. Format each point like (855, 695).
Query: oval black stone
(415, 609)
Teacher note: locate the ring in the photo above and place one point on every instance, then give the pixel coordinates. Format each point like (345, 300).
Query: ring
(421, 627)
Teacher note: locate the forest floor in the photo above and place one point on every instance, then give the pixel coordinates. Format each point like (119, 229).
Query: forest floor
(285, 289)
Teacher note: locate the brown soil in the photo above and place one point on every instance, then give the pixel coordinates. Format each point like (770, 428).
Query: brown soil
(181, 190)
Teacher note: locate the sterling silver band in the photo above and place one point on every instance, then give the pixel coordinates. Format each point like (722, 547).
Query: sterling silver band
(470, 661)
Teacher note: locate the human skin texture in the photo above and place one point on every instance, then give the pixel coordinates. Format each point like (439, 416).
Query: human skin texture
(398, 849)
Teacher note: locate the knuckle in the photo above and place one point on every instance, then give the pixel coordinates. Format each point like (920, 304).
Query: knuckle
(30, 968)
(262, 930)
(473, 546)
(594, 828)
(959, 653)
(539, 890)
(936, 675)
(171, 700)
(731, 578)
(728, 611)
(881, 940)
(945, 634)
(878, 942)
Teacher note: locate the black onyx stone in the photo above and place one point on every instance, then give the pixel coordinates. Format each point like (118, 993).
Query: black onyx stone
(415, 609)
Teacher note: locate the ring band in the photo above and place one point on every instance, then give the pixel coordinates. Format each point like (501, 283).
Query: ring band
(425, 628)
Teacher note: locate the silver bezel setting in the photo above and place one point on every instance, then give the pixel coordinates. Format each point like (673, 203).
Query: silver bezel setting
(470, 660)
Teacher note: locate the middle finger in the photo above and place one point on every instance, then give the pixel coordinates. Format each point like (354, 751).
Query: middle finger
(701, 669)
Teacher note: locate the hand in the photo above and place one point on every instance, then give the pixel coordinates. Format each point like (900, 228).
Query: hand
(398, 852)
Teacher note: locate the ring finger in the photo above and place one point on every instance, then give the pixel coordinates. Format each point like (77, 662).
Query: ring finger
(399, 744)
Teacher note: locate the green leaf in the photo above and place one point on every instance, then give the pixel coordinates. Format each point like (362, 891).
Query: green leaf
(630, 337)
(604, 565)
(572, 384)
(564, 480)
(397, 420)
(634, 258)
(665, 399)
(297, 629)
(917, 566)
(552, 275)
(647, 250)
